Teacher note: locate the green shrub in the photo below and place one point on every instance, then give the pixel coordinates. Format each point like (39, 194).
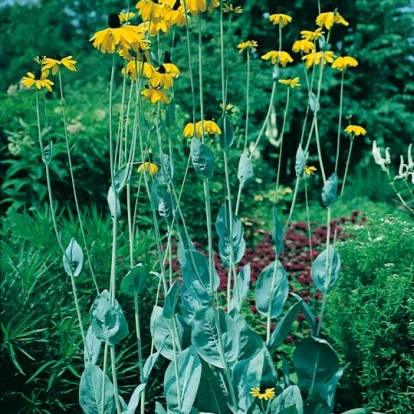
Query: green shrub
(371, 315)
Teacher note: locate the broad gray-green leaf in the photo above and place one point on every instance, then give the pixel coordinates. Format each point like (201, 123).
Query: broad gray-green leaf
(358, 411)
(47, 153)
(121, 177)
(73, 258)
(154, 196)
(166, 204)
(92, 348)
(315, 404)
(310, 317)
(183, 386)
(135, 397)
(284, 326)
(135, 280)
(90, 392)
(108, 322)
(290, 397)
(227, 132)
(325, 269)
(171, 300)
(166, 172)
(230, 242)
(241, 288)
(114, 204)
(161, 329)
(278, 234)
(316, 363)
(313, 103)
(245, 170)
(170, 114)
(209, 340)
(300, 161)
(149, 365)
(196, 275)
(329, 190)
(202, 158)
(272, 289)
(159, 409)
(189, 305)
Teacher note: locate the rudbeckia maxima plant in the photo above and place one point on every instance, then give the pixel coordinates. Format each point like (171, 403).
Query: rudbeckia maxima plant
(197, 130)
(55, 64)
(38, 79)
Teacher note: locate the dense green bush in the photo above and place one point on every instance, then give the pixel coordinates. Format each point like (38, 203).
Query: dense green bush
(371, 315)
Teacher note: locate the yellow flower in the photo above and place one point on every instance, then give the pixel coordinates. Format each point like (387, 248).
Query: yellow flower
(126, 17)
(316, 58)
(309, 35)
(38, 79)
(248, 44)
(228, 8)
(209, 127)
(53, 64)
(303, 45)
(148, 9)
(290, 82)
(176, 17)
(310, 170)
(269, 393)
(155, 95)
(344, 62)
(134, 68)
(161, 78)
(282, 19)
(328, 19)
(149, 167)
(280, 57)
(355, 130)
(196, 6)
(213, 4)
(108, 39)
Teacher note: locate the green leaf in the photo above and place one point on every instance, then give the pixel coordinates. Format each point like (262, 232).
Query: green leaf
(202, 158)
(166, 172)
(272, 289)
(277, 233)
(316, 363)
(135, 397)
(47, 153)
(227, 132)
(208, 339)
(289, 401)
(245, 170)
(196, 275)
(325, 269)
(227, 241)
(241, 288)
(184, 386)
(121, 177)
(114, 204)
(135, 280)
(300, 161)
(90, 392)
(315, 404)
(171, 300)
(108, 322)
(170, 114)
(92, 348)
(329, 190)
(283, 327)
(73, 258)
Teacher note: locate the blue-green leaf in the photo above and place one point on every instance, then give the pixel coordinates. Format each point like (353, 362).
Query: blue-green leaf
(241, 288)
(206, 336)
(149, 365)
(289, 399)
(230, 242)
(189, 305)
(310, 317)
(358, 411)
(114, 204)
(90, 392)
(313, 103)
(300, 161)
(329, 190)
(325, 269)
(183, 386)
(166, 172)
(227, 132)
(135, 397)
(73, 258)
(47, 153)
(159, 409)
(278, 234)
(166, 204)
(108, 322)
(171, 300)
(135, 280)
(316, 363)
(272, 289)
(154, 196)
(245, 170)
(202, 158)
(92, 348)
(315, 404)
(121, 177)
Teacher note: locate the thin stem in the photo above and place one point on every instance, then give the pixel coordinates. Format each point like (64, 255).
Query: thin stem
(115, 379)
(347, 164)
(338, 141)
